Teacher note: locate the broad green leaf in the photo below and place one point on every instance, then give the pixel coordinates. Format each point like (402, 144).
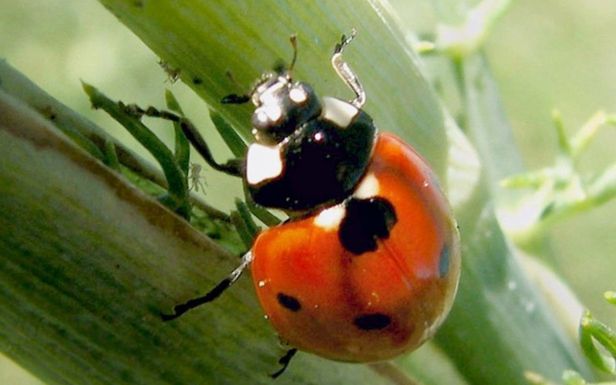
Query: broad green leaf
(89, 262)
(205, 40)
(500, 326)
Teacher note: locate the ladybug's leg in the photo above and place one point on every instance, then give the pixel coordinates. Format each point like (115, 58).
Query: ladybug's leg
(284, 361)
(232, 167)
(182, 308)
(346, 73)
(235, 99)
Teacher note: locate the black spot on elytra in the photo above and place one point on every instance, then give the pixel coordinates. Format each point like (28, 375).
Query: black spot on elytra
(289, 302)
(365, 221)
(443, 262)
(372, 321)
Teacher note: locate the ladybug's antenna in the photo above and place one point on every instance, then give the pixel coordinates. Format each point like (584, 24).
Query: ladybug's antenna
(346, 73)
(293, 40)
(280, 67)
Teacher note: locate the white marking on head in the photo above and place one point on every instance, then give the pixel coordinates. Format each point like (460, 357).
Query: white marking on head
(272, 111)
(268, 93)
(262, 162)
(338, 111)
(368, 187)
(298, 94)
(330, 218)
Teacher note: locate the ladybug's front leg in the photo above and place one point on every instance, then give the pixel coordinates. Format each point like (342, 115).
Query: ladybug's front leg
(232, 167)
(182, 308)
(346, 73)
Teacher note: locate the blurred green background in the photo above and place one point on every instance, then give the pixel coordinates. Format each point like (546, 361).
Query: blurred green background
(544, 54)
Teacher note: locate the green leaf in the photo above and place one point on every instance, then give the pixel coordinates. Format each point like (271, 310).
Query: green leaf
(593, 331)
(211, 39)
(460, 35)
(176, 179)
(89, 262)
(17, 85)
(182, 146)
(245, 225)
(232, 139)
(500, 326)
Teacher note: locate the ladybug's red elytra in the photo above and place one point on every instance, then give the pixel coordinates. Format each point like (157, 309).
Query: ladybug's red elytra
(371, 277)
(367, 266)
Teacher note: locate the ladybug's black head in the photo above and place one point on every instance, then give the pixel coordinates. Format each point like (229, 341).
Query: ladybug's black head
(281, 107)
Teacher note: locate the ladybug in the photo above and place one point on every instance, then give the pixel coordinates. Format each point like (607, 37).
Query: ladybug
(367, 266)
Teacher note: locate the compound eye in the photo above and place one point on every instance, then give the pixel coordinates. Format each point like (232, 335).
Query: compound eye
(265, 122)
(298, 94)
(259, 119)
